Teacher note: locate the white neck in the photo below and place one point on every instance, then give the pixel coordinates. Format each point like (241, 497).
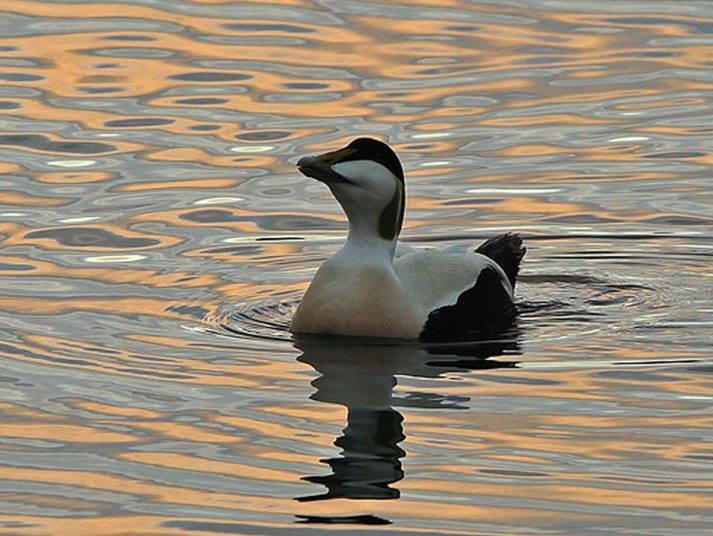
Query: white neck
(364, 244)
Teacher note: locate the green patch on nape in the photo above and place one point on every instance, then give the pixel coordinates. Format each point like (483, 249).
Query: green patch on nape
(392, 216)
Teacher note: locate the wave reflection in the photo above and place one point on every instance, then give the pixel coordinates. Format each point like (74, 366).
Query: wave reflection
(155, 239)
(362, 378)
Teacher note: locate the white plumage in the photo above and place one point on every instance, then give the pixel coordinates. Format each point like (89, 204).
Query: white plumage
(367, 289)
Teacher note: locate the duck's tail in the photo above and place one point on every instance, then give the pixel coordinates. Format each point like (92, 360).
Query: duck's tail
(507, 250)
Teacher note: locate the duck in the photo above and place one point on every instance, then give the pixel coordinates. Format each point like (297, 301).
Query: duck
(376, 287)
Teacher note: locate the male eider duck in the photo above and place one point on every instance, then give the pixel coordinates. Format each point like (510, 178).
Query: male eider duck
(368, 289)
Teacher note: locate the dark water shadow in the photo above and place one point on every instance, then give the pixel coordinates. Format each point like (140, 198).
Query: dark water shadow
(362, 377)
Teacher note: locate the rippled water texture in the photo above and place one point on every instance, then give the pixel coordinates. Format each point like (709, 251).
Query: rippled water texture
(156, 239)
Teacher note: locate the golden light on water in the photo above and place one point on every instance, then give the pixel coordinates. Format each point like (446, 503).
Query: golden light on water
(156, 238)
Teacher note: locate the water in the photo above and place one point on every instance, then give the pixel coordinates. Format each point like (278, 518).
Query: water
(156, 239)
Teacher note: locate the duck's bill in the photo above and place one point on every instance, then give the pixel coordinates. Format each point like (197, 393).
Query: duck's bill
(312, 166)
(320, 167)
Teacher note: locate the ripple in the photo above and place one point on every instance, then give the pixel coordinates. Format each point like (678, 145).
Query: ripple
(219, 200)
(138, 122)
(156, 241)
(20, 77)
(252, 149)
(627, 139)
(79, 219)
(129, 53)
(205, 128)
(268, 27)
(44, 144)
(306, 86)
(268, 320)
(211, 76)
(111, 259)
(202, 101)
(130, 37)
(676, 155)
(211, 216)
(262, 136)
(91, 237)
(72, 163)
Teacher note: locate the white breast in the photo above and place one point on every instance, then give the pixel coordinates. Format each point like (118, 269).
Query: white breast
(360, 299)
(368, 298)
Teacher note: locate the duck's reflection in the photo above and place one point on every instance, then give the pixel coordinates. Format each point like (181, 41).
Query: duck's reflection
(370, 458)
(362, 378)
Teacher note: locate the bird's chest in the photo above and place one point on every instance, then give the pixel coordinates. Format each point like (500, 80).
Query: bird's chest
(362, 300)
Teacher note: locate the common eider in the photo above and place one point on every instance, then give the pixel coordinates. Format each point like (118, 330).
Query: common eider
(369, 288)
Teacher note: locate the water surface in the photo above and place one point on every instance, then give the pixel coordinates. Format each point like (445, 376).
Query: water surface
(156, 239)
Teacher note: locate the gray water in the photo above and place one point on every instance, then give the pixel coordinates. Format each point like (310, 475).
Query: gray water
(156, 239)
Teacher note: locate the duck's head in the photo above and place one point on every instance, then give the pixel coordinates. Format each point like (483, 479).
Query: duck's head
(367, 179)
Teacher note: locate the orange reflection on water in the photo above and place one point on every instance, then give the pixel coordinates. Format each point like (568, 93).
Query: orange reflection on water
(64, 433)
(577, 492)
(186, 154)
(98, 237)
(125, 305)
(534, 205)
(115, 411)
(279, 430)
(528, 449)
(202, 184)
(90, 526)
(13, 197)
(172, 460)
(144, 276)
(74, 177)
(167, 494)
(544, 119)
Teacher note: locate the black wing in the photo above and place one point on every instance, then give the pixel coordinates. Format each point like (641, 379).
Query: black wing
(484, 310)
(507, 250)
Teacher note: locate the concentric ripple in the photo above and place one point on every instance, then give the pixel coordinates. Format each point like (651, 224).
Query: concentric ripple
(269, 320)
(155, 239)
